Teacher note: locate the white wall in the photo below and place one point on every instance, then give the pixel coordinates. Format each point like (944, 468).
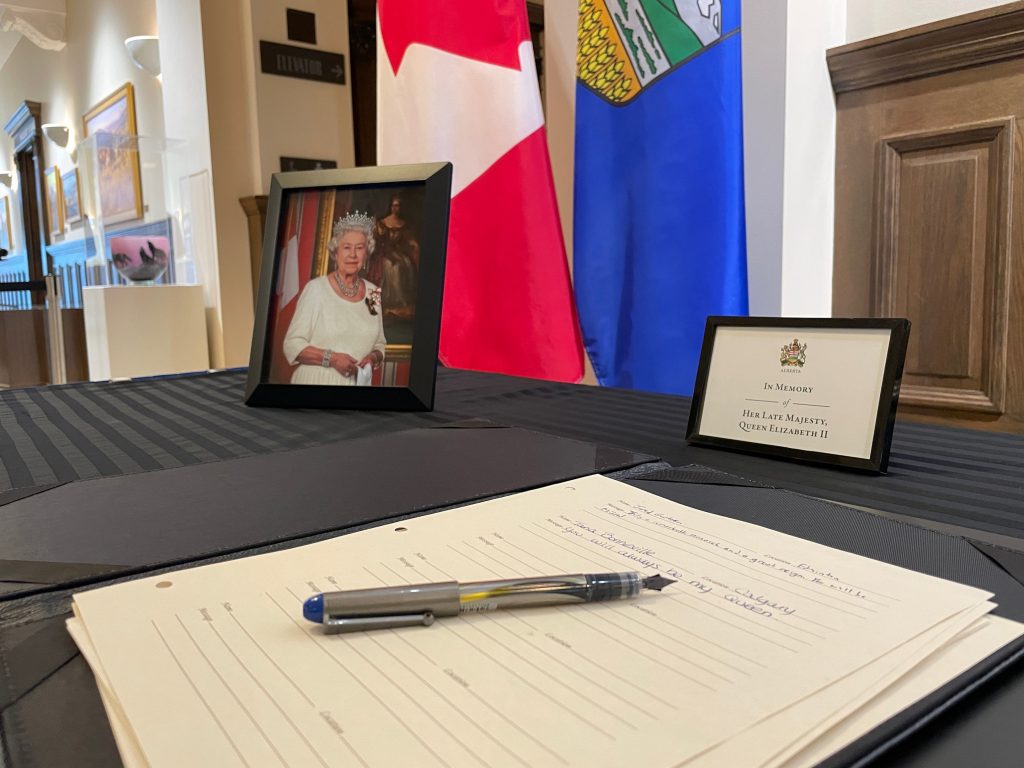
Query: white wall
(186, 117)
(233, 131)
(763, 37)
(871, 18)
(812, 27)
(302, 118)
(789, 154)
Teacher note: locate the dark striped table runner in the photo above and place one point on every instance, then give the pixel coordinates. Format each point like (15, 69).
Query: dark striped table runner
(57, 434)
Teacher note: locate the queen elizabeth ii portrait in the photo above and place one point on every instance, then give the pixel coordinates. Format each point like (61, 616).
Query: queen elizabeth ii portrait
(336, 335)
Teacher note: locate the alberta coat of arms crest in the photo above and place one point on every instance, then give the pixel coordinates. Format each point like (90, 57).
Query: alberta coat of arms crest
(624, 45)
(794, 354)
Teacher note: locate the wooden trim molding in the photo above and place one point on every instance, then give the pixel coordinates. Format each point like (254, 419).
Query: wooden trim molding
(255, 208)
(988, 36)
(24, 126)
(949, 398)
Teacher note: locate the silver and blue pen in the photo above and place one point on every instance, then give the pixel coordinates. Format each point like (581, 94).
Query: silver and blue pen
(413, 604)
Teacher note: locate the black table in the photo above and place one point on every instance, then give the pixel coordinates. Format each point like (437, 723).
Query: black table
(947, 479)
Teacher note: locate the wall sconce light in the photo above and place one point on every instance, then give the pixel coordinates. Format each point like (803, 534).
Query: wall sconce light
(7, 178)
(58, 134)
(144, 51)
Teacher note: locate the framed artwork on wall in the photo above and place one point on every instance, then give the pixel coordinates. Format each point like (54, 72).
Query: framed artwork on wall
(72, 200)
(349, 307)
(117, 156)
(6, 234)
(54, 205)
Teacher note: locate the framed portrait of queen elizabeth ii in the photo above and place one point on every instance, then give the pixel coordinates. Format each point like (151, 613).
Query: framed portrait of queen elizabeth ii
(349, 306)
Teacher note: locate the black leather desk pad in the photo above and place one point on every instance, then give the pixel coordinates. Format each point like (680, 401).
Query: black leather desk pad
(979, 704)
(949, 476)
(994, 689)
(83, 531)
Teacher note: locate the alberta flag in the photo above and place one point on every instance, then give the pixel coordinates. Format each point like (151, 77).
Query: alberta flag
(659, 239)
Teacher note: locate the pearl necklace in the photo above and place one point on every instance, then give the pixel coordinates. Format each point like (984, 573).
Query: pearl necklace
(349, 293)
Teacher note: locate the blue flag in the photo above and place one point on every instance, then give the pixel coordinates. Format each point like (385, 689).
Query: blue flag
(659, 240)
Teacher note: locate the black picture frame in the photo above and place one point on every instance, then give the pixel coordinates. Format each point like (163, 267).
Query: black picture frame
(436, 180)
(888, 395)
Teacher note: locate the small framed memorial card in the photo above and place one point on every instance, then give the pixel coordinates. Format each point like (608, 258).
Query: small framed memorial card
(815, 389)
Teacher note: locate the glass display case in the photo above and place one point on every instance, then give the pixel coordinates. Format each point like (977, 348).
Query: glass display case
(136, 210)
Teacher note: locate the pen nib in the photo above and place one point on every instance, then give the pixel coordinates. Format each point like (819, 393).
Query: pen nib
(657, 582)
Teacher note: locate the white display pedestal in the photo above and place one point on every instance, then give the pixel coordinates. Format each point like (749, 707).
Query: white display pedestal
(144, 330)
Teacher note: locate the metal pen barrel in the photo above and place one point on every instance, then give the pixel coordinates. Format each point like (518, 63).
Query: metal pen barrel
(547, 590)
(439, 599)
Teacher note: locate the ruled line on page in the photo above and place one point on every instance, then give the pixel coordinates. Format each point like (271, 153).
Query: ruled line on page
(351, 645)
(555, 540)
(273, 700)
(672, 654)
(534, 646)
(400, 721)
(554, 568)
(198, 693)
(561, 707)
(473, 624)
(659, 664)
(647, 627)
(629, 509)
(531, 663)
(818, 597)
(232, 692)
(602, 669)
(734, 615)
(490, 570)
(443, 697)
(491, 707)
(269, 658)
(646, 528)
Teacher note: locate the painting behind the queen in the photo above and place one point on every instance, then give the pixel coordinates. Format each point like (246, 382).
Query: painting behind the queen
(346, 301)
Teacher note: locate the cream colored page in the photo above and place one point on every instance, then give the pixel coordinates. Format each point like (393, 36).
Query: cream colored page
(972, 647)
(827, 404)
(758, 621)
(788, 730)
(127, 745)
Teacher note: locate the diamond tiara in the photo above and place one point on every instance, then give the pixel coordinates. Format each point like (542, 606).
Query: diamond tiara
(355, 220)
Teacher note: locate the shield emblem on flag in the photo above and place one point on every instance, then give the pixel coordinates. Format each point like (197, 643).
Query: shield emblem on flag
(625, 45)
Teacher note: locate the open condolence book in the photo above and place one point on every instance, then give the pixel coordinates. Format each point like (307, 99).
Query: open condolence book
(768, 651)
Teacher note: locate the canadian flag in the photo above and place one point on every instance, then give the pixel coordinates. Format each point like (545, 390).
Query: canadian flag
(456, 81)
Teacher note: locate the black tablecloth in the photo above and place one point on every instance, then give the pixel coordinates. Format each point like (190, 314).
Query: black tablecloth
(56, 434)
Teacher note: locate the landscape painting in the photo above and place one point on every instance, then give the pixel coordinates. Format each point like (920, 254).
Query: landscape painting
(117, 155)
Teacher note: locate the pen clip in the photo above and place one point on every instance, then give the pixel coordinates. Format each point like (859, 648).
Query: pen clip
(336, 624)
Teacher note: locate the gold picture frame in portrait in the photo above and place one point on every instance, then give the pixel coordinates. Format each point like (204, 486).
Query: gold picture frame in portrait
(118, 168)
(72, 197)
(54, 202)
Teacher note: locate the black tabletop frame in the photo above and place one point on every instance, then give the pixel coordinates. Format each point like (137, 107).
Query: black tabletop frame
(888, 395)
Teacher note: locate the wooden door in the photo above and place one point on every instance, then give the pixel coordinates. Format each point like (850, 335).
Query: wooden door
(929, 187)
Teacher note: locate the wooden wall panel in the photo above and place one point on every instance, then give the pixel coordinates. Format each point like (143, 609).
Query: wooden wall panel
(929, 192)
(943, 207)
(23, 347)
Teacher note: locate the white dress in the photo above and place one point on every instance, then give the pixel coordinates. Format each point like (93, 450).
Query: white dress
(323, 319)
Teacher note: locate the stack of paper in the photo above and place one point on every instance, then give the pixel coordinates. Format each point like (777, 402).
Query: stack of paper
(769, 651)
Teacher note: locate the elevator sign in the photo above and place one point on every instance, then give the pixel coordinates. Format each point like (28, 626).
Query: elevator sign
(304, 63)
